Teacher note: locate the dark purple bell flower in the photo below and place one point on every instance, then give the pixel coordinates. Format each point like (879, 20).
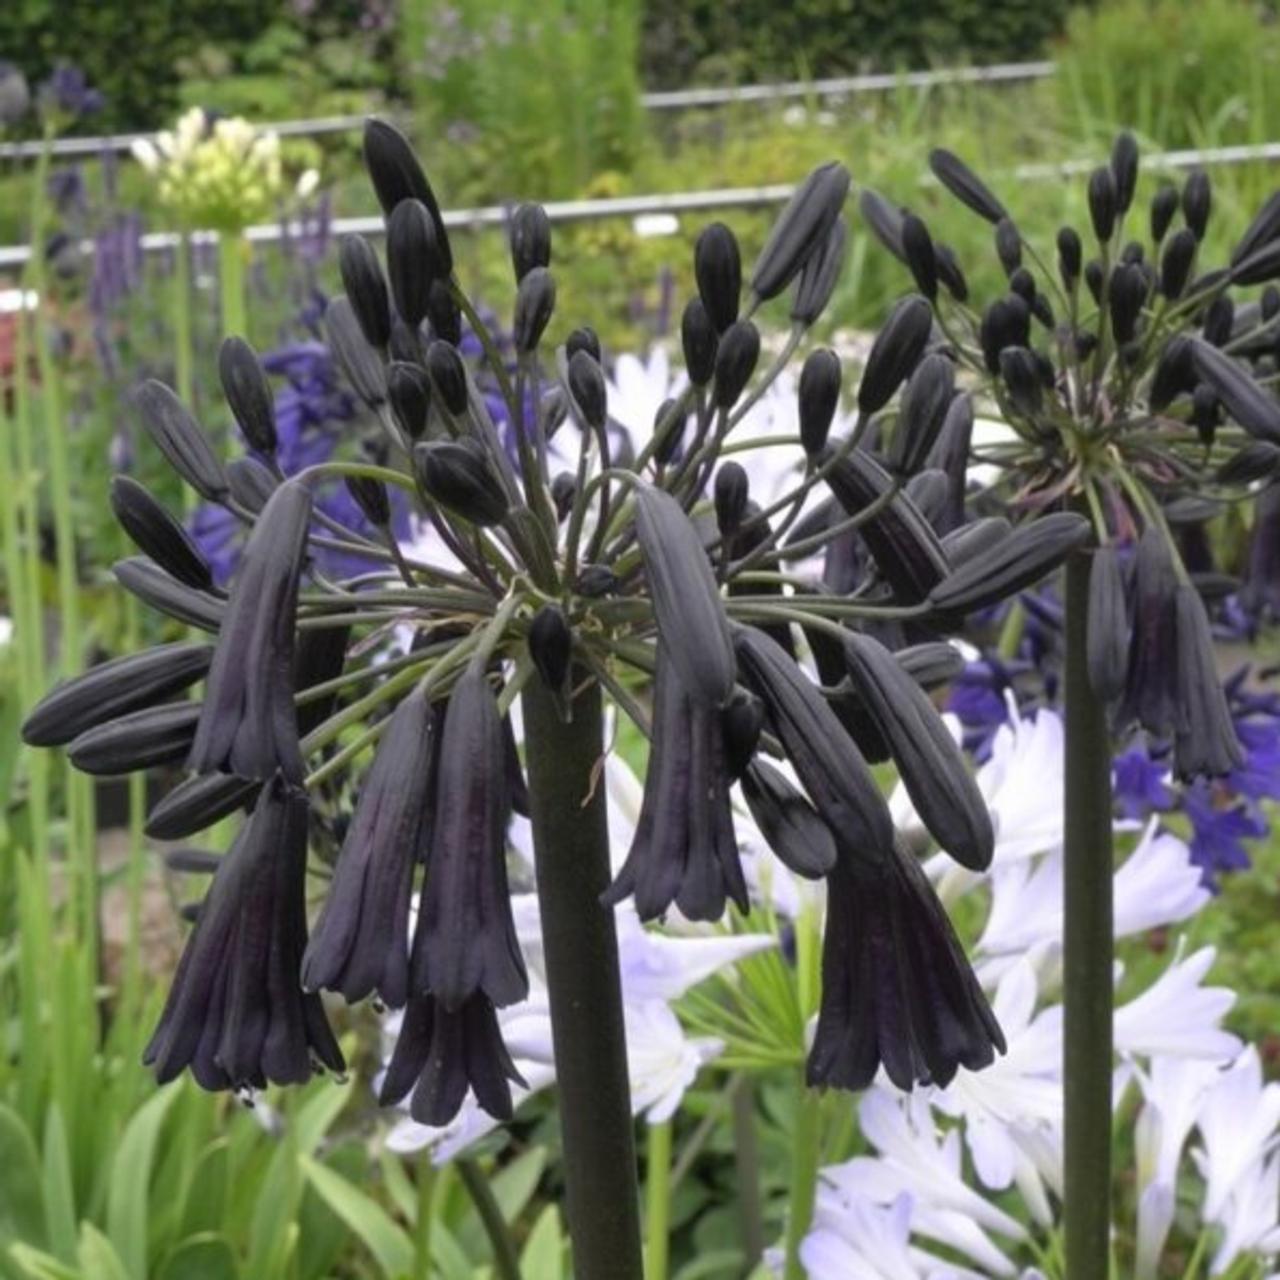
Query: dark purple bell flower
(237, 1015)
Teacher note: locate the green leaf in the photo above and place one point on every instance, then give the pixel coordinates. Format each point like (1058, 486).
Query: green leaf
(543, 1254)
(319, 1110)
(59, 1193)
(390, 1246)
(98, 1260)
(716, 1262)
(202, 1257)
(130, 1189)
(22, 1216)
(205, 1205)
(38, 1265)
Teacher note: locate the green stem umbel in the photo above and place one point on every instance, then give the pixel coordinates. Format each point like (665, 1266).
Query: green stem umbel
(1088, 948)
(571, 851)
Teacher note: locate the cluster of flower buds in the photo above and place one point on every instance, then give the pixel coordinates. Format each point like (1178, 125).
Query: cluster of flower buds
(1136, 381)
(663, 572)
(223, 173)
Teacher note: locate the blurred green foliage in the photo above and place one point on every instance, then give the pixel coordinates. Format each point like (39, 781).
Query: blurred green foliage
(702, 40)
(1188, 72)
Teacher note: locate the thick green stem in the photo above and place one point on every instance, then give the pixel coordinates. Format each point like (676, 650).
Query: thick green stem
(571, 850)
(1088, 949)
(657, 1225)
(806, 1150)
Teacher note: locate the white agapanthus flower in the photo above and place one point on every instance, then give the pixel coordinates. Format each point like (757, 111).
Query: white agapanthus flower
(221, 173)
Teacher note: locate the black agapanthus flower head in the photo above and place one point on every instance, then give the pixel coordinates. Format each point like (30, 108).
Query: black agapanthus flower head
(465, 943)
(237, 1016)
(647, 573)
(247, 725)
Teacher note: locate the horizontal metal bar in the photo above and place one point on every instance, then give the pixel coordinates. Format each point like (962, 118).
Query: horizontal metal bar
(839, 86)
(677, 99)
(678, 202)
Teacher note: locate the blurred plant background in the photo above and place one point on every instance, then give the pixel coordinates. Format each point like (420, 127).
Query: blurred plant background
(101, 1176)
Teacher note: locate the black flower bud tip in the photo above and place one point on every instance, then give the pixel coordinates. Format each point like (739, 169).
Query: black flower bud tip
(1008, 245)
(244, 383)
(530, 237)
(409, 394)
(1102, 203)
(965, 185)
(819, 397)
(444, 315)
(1164, 204)
(732, 492)
(449, 376)
(178, 436)
(896, 351)
(458, 476)
(366, 289)
(564, 489)
(413, 259)
(801, 229)
(535, 301)
(584, 338)
(551, 648)
(356, 358)
(1175, 265)
(397, 175)
(736, 359)
(1124, 170)
(371, 497)
(717, 267)
(1197, 202)
(588, 389)
(922, 260)
(252, 483)
(1069, 256)
(156, 533)
(922, 411)
(699, 341)
(819, 276)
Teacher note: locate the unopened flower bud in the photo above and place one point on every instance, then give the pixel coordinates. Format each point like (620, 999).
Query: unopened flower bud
(584, 338)
(965, 185)
(699, 340)
(370, 495)
(1102, 203)
(535, 301)
(457, 474)
(732, 490)
(717, 267)
(1124, 169)
(735, 362)
(178, 436)
(448, 376)
(1197, 201)
(366, 288)
(801, 229)
(409, 393)
(587, 386)
(819, 396)
(397, 175)
(157, 534)
(413, 259)
(922, 260)
(530, 235)
(896, 351)
(1164, 204)
(248, 394)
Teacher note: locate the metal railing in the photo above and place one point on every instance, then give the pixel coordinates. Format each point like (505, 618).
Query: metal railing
(672, 100)
(563, 211)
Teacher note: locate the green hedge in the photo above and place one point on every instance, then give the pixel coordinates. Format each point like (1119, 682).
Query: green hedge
(692, 41)
(138, 52)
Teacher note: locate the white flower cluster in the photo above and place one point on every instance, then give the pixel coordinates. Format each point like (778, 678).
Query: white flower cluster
(221, 173)
(1207, 1126)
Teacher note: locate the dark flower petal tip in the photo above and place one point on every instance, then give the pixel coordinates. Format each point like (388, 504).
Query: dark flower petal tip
(965, 185)
(140, 740)
(151, 584)
(897, 990)
(441, 1054)
(156, 533)
(244, 383)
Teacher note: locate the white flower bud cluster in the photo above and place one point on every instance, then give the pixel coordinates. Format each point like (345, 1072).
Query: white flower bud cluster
(222, 173)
